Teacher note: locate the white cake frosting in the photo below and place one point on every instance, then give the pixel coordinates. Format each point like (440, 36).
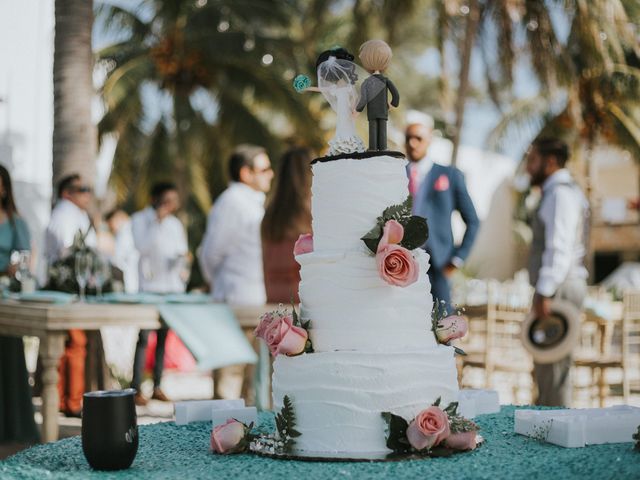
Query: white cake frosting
(348, 195)
(339, 396)
(374, 350)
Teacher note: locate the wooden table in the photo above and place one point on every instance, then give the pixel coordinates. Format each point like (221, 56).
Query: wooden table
(50, 322)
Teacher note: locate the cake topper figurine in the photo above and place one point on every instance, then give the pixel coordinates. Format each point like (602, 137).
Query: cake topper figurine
(337, 82)
(375, 56)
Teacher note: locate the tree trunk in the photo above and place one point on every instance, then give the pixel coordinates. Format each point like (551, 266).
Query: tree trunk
(469, 40)
(74, 135)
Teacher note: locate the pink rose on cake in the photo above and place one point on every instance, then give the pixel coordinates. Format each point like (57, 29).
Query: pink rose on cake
(304, 244)
(280, 333)
(396, 264)
(461, 441)
(428, 429)
(226, 438)
(265, 320)
(451, 328)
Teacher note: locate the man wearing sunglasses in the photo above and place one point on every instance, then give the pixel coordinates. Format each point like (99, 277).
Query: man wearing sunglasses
(437, 192)
(68, 219)
(231, 251)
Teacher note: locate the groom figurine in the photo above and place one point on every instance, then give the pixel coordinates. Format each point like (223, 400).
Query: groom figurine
(375, 56)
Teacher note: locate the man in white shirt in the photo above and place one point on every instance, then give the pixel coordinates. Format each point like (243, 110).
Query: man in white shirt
(161, 242)
(68, 219)
(556, 261)
(125, 255)
(231, 251)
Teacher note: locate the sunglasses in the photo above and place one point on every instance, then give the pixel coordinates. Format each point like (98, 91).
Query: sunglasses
(408, 138)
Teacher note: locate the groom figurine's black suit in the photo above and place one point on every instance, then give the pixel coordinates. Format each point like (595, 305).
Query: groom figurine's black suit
(373, 95)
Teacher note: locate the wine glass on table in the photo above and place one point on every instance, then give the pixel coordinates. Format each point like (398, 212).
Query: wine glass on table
(21, 262)
(101, 273)
(83, 271)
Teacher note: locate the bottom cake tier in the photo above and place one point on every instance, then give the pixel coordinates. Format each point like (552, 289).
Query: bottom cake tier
(338, 397)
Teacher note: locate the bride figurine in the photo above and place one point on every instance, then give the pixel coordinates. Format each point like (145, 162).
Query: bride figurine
(337, 82)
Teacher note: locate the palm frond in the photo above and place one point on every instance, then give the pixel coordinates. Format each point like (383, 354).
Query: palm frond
(525, 115)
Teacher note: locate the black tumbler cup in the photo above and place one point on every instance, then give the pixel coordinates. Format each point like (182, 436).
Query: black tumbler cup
(109, 429)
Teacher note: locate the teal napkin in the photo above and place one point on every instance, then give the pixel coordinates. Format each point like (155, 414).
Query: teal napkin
(47, 296)
(210, 332)
(198, 298)
(146, 298)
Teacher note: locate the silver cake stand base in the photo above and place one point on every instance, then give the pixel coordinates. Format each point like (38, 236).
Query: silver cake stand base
(265, 447)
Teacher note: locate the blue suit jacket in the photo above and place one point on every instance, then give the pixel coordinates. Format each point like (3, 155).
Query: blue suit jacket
(437, 206)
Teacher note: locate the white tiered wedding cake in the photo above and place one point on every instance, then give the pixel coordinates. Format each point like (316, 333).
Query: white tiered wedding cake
(373, 347)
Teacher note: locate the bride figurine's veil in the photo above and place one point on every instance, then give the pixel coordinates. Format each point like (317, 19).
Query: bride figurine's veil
(337, 73)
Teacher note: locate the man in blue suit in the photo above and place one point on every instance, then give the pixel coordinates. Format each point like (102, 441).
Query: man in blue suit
(440, 192)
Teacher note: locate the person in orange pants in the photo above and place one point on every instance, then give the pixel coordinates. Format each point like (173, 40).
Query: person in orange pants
(69, 218)
(71, 371)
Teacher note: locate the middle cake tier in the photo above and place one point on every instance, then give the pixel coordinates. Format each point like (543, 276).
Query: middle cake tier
(351, 308)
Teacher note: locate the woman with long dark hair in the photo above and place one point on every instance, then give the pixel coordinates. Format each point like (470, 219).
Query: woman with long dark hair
(17, 423)
(287, 215)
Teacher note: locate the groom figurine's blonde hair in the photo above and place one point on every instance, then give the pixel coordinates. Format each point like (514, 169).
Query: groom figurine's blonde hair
(375, 55)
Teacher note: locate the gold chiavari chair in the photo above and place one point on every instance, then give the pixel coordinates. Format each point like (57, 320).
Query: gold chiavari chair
(508, 305)
(624, 360)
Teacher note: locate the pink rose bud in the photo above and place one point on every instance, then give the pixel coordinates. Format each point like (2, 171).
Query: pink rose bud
(391, 233)
(429, 428)
(396, 265)
(273, 336)
(304, 244)
(225, 438)
(263, 326)
(292, 339)
(451, 328)
(461, 441)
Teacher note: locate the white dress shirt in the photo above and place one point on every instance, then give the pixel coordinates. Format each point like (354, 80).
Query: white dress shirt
(563, 212)
(67, 219)
(162, 246)
(231, 251)
(126, 257)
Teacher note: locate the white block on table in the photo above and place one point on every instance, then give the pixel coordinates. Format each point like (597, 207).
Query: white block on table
(574, 428)
(200, 410)
(245, 415)
(472, 402)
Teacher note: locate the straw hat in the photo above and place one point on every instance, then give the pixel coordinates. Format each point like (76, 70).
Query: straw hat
(553, 338)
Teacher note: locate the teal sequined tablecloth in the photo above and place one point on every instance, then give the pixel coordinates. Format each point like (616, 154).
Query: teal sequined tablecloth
(182, 452)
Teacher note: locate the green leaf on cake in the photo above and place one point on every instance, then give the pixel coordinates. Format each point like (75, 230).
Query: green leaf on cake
(452, 409)
(372, 238)
(416, 232)
(415, 228)
(286, 423)
(459, 351)
(397, 432)
(437, 402)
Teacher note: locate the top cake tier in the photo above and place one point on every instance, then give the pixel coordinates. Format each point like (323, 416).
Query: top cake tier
(348, 195)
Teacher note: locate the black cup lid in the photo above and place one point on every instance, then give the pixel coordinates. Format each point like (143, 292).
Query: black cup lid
(110, 393)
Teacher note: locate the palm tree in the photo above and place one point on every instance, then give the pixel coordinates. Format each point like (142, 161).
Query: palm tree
(219, 74)
(74, 136)
(214, 73)
(598, 74)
